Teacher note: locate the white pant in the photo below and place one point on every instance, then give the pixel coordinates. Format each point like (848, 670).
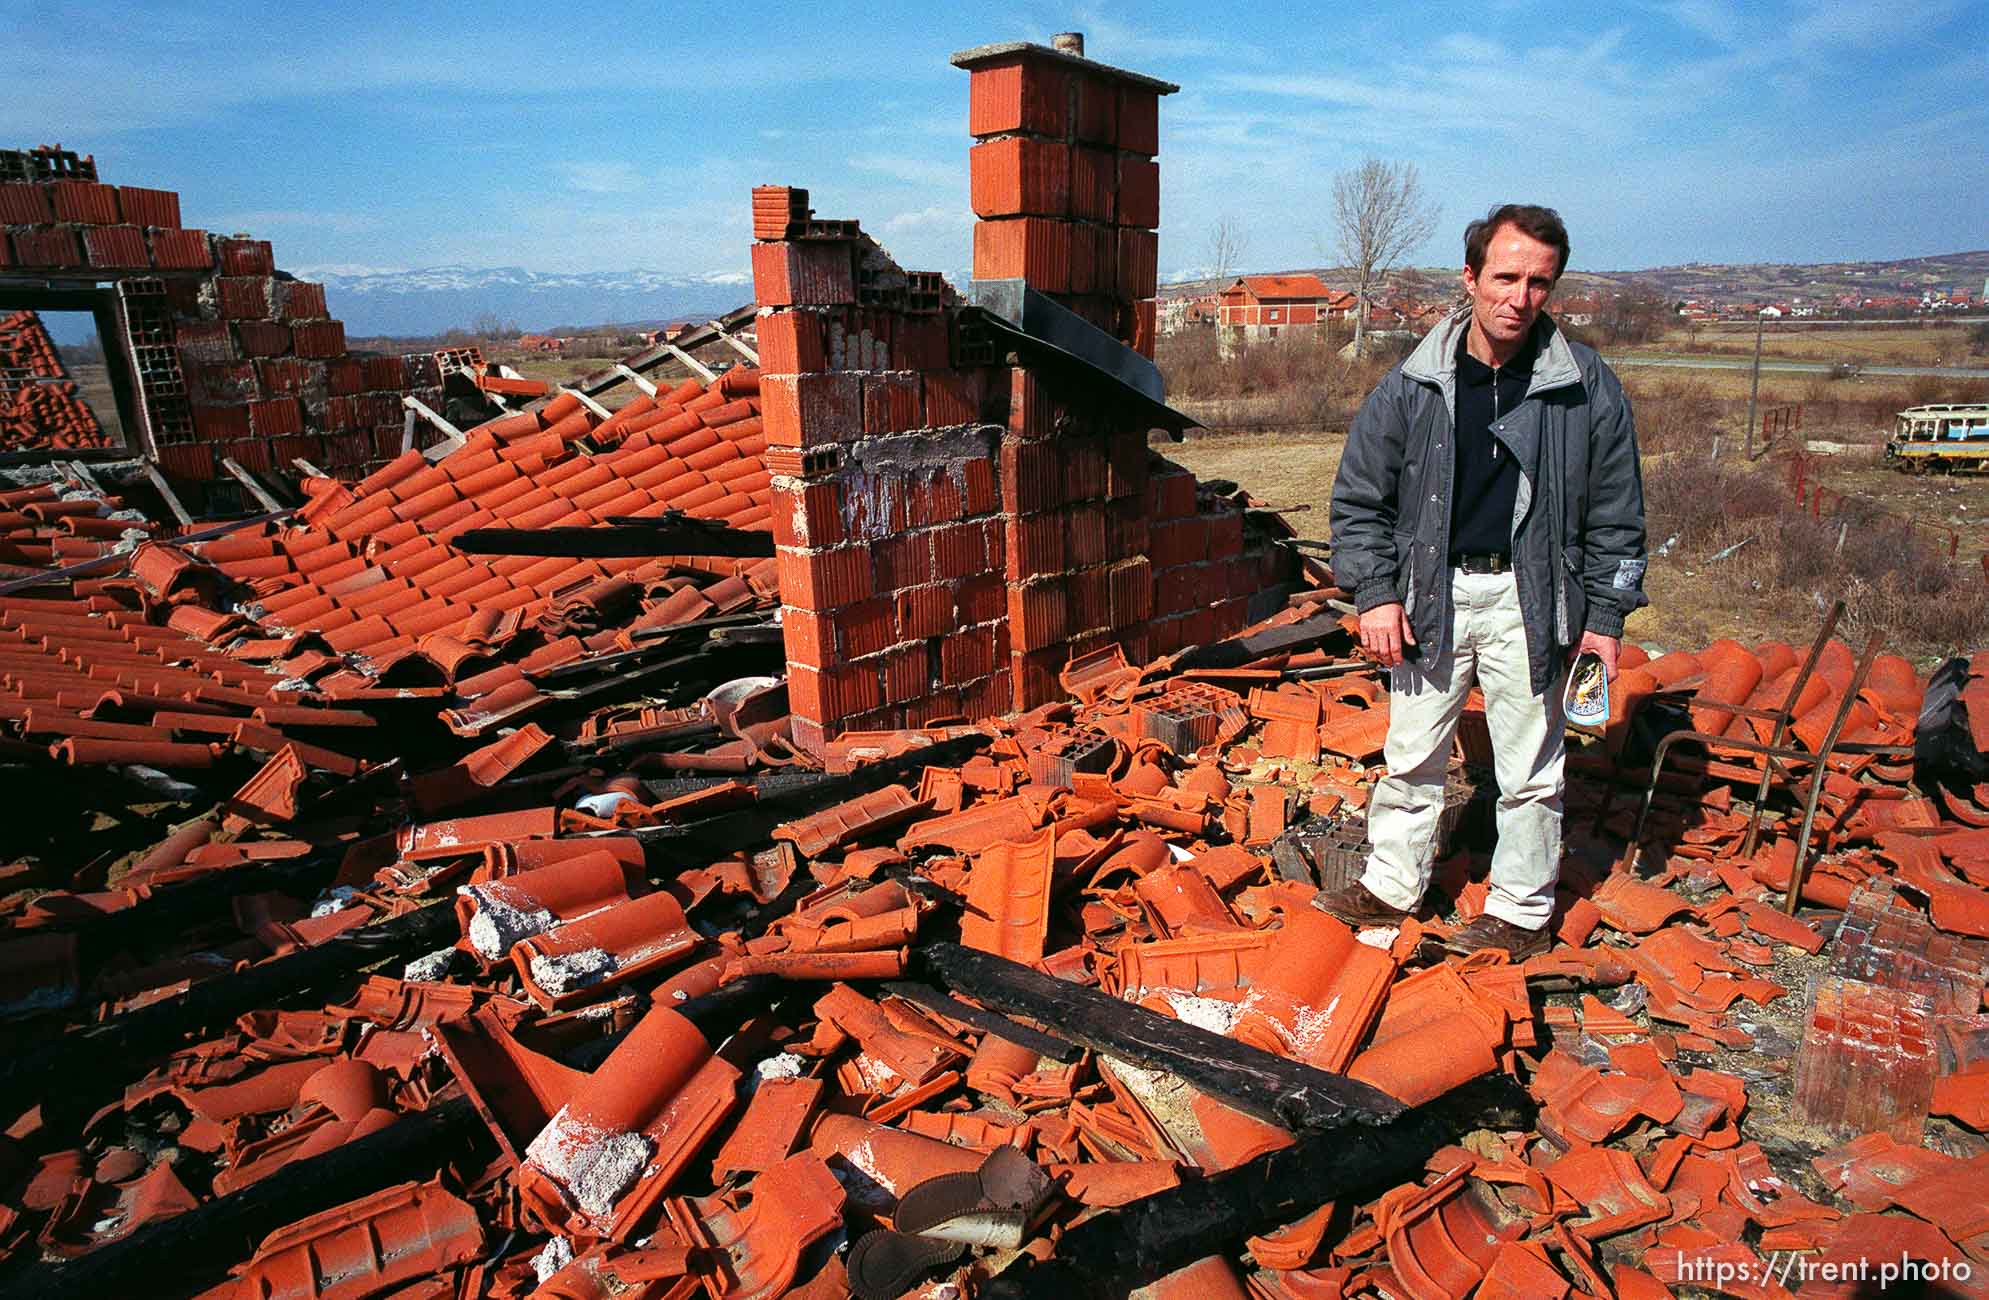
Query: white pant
(1488, 647)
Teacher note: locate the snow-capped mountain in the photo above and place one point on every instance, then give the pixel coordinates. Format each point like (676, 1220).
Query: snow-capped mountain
(437, 298)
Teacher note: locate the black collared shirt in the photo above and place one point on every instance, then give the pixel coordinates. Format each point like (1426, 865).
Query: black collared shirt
(1487, 479)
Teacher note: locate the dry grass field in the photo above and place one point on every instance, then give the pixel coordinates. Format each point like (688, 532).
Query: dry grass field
(93, 386)
(1774, 586)
(1901, 345)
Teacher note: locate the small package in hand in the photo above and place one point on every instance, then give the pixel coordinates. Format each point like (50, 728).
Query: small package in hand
(1587, 699)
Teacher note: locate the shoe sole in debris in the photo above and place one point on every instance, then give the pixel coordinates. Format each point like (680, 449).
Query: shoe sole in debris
(991, 1206)
(883, 1264)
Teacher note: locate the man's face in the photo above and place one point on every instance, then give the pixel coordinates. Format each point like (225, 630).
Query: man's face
(1508, 293)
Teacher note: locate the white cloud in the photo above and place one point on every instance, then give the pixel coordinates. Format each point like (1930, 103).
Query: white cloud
(1131, 46)
(1709, 18)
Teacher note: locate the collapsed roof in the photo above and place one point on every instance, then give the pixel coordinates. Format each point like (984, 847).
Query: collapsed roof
(907, 882)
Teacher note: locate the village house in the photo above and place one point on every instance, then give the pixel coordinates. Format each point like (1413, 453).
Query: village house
(1262, 306)
(1187, 311)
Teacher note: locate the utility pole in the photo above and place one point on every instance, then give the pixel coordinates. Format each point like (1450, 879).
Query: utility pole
(1754, 388)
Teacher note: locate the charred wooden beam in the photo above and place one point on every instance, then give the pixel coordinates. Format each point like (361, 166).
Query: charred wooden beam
(1114, 1252)
(1241, 650)
(1273, 1088)
(783, 796)
(621, 538)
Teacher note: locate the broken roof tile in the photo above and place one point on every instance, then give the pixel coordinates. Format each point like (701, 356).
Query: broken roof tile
(616, 1146)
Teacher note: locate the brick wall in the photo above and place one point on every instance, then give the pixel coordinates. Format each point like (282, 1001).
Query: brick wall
(228, 358)
(951, 530)
(1067, 193)
(883, 452)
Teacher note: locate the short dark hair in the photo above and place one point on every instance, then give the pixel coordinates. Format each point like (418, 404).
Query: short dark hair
(1543, 224)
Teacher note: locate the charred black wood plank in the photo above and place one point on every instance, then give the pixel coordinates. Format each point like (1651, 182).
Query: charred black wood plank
(1238, 651)
(621, 538)
(783, 796)
(1274, 1088)
(1116, 1251)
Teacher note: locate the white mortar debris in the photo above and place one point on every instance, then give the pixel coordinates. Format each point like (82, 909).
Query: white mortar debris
(556, 1255)
(498, 924)
(593, 1165)
(432, 967)
(573, 970)
(1211, 1014)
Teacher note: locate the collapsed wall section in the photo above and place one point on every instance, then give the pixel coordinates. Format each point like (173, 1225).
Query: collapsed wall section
(954, 526)
(229, 357)
(882, 445)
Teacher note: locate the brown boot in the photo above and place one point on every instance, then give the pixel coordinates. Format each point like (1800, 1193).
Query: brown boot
(1490, 932)
(1356, 904)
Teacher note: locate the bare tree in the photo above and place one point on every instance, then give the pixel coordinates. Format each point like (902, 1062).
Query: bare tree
(1380, 212)
(1225, 249)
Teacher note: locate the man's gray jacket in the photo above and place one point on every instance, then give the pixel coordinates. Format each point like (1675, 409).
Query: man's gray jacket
(1578, 521)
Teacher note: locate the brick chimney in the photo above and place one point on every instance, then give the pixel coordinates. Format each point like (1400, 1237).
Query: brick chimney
(1064, 179)
(953, 532)
(1068, 196)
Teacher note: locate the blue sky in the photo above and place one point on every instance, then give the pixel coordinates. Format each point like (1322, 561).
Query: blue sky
(598, 137)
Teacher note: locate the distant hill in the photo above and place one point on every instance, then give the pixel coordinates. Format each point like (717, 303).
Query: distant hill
(427, 302)
(1909, 275)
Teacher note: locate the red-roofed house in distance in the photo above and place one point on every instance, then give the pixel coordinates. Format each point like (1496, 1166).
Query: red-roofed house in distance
(1263, 306)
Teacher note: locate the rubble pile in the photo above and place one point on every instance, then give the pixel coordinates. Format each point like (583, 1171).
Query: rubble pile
(64, 520)
(720, 1072)
(861, 838)
(39, 406)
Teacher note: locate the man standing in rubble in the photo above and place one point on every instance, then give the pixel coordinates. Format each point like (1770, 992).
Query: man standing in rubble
(1488, 518)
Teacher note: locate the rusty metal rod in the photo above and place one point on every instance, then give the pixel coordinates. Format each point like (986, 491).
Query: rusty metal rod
(1783, 719)
(1784, 754)
(1872, 649)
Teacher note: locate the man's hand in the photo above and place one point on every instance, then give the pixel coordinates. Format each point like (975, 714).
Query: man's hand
(1605, 648)
(1385, 631)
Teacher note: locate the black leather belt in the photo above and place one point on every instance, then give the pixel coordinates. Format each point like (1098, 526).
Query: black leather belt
(1491, 562)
